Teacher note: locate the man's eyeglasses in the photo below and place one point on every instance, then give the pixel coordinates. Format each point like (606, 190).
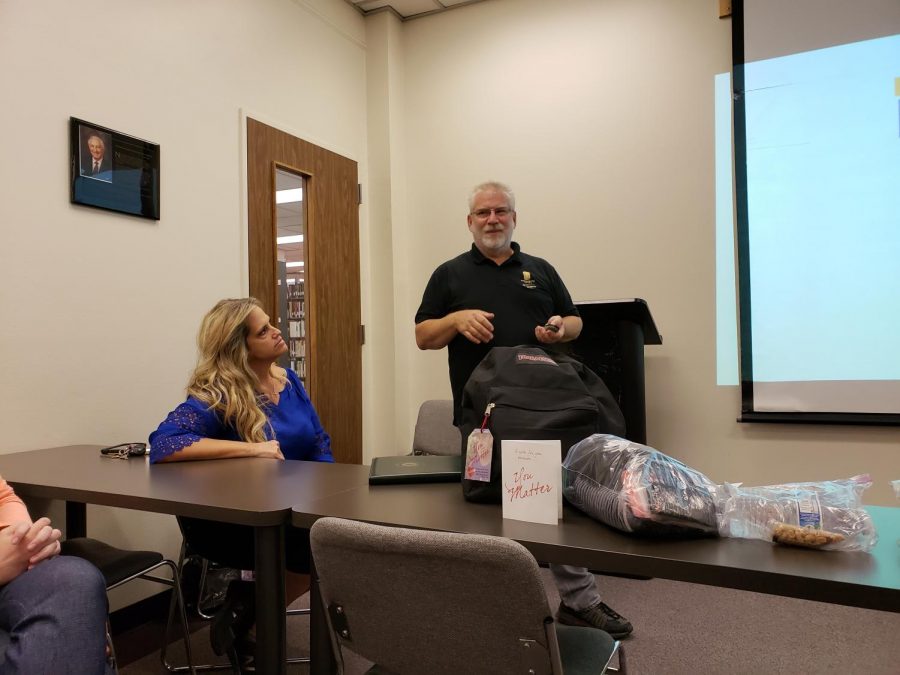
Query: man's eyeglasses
(124, 450)
(502, 212)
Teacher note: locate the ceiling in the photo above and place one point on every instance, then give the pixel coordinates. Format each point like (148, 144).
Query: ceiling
(408, 9)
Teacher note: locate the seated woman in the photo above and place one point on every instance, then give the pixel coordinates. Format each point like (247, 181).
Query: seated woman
(52, 607)
(240, 403)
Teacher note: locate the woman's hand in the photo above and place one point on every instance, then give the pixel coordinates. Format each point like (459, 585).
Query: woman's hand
(41, 541)
(24, 545)
(268, 450)
(13, 557)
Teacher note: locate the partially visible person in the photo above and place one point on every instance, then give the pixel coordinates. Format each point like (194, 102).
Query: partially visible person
(241, 403)
(53, 608)
(96, 163)
(495, 295)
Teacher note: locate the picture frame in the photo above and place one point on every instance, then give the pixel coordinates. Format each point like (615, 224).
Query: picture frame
(113, 171)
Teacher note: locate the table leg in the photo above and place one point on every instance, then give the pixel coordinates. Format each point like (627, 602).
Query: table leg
(271, 633)
(321, 658)
(76, 519)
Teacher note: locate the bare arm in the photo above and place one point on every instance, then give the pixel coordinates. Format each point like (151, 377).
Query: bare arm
(573, 326)
(212, 448)
(12, 509)
(473, 324)
(13, 557)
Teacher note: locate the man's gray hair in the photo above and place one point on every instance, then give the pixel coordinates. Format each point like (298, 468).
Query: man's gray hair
(493, 185)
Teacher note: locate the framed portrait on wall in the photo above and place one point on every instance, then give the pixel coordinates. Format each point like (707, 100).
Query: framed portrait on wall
(114, 171)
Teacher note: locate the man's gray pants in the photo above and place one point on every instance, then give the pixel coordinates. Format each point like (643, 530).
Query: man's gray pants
(576, 586)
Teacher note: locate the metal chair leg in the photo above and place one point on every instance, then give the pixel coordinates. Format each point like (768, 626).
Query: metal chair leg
(209, 666)
(178, 598)
(172, 603)
(204, 568)
(111, 656)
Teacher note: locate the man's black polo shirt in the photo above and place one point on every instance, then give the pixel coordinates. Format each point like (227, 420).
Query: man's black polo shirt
(522, 293)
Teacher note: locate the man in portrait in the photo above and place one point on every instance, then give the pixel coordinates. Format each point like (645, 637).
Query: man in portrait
(96, 162)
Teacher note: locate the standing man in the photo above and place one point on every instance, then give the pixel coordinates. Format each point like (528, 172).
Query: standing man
(496, 296)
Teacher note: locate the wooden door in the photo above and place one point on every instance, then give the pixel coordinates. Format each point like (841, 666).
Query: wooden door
(333, 306)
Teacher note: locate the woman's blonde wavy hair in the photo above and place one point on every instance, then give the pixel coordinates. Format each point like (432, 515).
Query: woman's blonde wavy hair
(223, 378)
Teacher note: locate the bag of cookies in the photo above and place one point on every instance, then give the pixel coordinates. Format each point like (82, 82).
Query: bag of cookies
(826, 515)
(896, 485)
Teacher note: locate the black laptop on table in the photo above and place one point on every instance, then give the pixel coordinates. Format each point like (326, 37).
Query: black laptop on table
(415, 469)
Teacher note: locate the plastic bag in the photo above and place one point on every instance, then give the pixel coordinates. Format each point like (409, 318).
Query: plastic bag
(636, 488)
(827, 514)
(896, 484)
(214, 590)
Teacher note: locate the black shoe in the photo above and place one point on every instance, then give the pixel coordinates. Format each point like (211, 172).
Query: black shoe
(245, 646)
(599, 616)
(228, 632)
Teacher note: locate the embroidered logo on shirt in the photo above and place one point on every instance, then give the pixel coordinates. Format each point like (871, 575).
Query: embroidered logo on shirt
(527, 281)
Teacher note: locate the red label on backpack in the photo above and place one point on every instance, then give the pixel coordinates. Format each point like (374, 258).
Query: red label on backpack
(535, 358)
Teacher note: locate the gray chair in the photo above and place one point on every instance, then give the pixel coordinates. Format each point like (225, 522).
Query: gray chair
(417, 601)
(435, 433)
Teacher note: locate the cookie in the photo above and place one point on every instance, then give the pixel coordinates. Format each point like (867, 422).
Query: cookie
(804, 536)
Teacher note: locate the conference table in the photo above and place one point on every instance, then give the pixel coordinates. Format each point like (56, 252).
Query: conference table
(250, 492)
(868, 580)
(269, 495)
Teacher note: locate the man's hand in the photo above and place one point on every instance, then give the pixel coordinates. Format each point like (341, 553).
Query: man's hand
(474, 325)
(548, 336)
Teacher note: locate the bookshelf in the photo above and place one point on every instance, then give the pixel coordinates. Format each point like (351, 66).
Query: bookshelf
(292, 321)
(296, 327)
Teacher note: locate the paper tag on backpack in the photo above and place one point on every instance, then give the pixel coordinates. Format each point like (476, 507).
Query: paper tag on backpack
(479, 452)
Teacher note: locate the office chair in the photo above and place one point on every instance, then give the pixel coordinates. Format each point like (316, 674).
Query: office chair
(119, 566)
(187, 527)
(434, 433)
(417, 601)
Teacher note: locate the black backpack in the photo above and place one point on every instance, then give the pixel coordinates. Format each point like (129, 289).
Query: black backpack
(536, 396)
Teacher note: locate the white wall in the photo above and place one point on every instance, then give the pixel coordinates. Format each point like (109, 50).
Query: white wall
(384, 88)
(100, 310)
(599, 113)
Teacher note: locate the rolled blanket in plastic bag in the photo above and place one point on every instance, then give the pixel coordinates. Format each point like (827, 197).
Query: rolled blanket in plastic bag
(636, 488)
(826, 514)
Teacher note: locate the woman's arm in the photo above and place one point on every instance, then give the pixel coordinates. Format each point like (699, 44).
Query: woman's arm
(193, 432)
(213, 448)
(23, 543)
(12, 509)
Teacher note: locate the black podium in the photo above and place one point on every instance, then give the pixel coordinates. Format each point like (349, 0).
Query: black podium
(612, 345)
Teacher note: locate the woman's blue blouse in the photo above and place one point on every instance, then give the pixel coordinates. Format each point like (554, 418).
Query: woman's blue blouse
(294, 422)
